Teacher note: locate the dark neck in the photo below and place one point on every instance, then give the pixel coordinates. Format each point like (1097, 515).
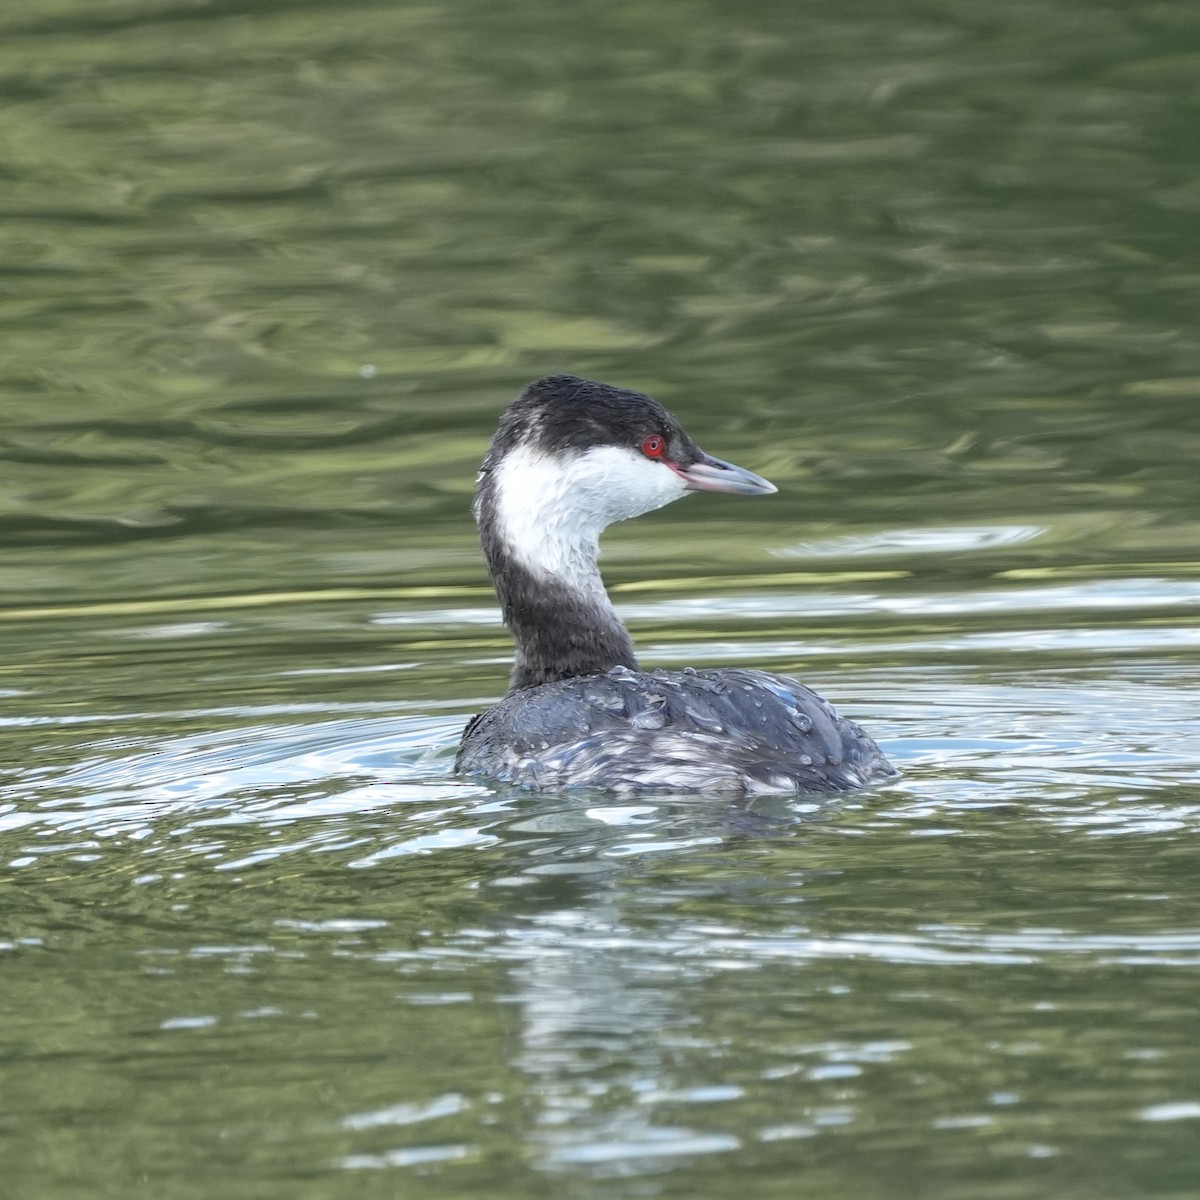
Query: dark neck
(561, 630)
(559, 633)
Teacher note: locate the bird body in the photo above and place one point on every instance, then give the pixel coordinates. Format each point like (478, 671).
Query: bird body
(571, 456)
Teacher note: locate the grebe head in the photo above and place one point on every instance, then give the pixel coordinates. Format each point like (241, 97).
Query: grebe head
(571, 456)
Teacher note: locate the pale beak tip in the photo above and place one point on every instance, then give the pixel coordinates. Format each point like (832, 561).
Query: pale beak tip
(716, 475)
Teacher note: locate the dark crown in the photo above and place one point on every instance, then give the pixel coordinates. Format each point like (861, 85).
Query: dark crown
(564, 412)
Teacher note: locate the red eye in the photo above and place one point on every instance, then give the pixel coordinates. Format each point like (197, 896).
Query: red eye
(653, 446)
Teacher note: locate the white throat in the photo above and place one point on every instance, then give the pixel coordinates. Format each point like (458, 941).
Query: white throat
(552, 508)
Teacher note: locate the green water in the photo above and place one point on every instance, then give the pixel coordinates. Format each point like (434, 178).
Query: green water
(268, 272)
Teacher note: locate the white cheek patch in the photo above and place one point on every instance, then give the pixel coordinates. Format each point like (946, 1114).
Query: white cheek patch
(552, 509)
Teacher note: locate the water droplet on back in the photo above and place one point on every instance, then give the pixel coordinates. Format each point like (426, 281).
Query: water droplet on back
(649, 718)
(604, 698)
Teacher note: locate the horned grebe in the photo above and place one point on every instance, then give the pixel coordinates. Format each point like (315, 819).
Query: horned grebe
(570, 457)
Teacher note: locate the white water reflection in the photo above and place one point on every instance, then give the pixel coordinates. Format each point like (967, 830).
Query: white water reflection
(1075, 641)
(1092, 595)
(946, 540)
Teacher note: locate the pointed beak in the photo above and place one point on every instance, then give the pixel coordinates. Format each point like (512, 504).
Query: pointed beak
(713, 475)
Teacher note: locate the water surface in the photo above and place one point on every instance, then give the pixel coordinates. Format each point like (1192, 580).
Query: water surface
(267, 274)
